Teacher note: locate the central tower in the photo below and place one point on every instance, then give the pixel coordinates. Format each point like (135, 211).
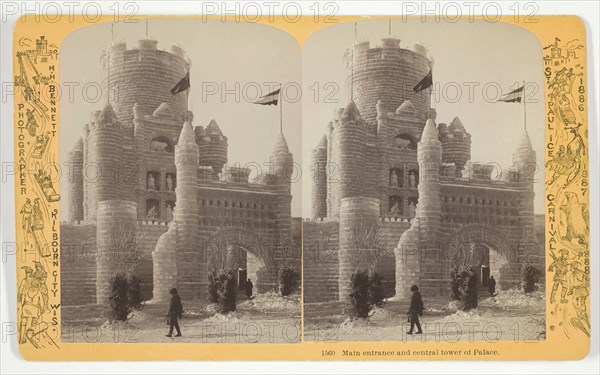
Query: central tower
(387, 73)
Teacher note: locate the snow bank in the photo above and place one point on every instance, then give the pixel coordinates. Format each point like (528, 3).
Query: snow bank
(351, 324)
(379, 313)
(230, 317)
(516, 299)
(272, 301)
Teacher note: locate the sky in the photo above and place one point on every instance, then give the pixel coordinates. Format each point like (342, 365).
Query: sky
(221, 53)
(478, 54)
(465, 54)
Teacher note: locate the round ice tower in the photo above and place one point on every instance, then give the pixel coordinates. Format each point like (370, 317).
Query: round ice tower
(421, 237)
(388, 73)
(144, 75)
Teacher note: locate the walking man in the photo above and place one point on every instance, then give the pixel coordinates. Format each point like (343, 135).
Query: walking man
(415, 310)
(175, 311)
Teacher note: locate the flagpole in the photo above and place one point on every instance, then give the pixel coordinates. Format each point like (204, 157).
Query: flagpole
(352, 66)
(112, 41)
(524, 108)
(431, 101)
(280, 109)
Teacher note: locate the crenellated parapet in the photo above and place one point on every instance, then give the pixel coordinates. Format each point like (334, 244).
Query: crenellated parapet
(387, 72)
(213, 147)
(456, 144)
(144, 75)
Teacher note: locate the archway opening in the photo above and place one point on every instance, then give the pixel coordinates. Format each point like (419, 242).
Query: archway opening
(240, 253)
(487, 262)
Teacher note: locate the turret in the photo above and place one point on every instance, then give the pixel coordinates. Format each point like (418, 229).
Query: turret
(319, 179)
(525, 173)
(104, 152)
(348, 154)
(144, 75)
(419, 242)
(429, 158)
(387, 73)
(524, 160)
(213, 147)
(282, 161)
(456, 144)
(177, 251)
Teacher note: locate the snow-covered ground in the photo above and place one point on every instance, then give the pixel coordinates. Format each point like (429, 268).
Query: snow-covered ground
(268, 318)
(511, 315)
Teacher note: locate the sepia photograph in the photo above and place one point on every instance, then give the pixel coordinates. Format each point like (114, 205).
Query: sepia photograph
(328, 181)
(424, 216)
(177, 221)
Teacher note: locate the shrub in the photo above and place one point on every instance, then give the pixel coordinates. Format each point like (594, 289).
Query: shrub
(213, 295)
(467, 289)
(222, 290)
(134, 295)
(454, 285)
(530, 275)
(124, 296)
(359, 297)
(289, 280)
(464, 288)
(375, 290)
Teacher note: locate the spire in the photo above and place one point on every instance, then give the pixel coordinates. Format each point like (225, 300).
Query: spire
(163, 110)
(456, 123)
(107, 115)
(322, 142)
(429, 133)
(187, 136)
(350, 113)
(79, 145)
(405, 107)
(524, 141)
(213, 127)
(281, 145)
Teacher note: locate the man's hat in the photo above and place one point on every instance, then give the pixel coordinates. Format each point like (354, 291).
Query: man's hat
(414, 288)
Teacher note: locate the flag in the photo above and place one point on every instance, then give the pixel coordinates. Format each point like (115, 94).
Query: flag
(182, 85)
(513, 96)
(270, 98)
(425, 83)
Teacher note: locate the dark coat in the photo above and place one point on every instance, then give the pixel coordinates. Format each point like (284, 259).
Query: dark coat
(416, 304)
(492, 285)
(249, 287)
(175, 308)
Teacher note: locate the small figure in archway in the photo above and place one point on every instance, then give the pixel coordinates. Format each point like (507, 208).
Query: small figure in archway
(249, 287)
(415, 310)
(175, 311)
(492, 286)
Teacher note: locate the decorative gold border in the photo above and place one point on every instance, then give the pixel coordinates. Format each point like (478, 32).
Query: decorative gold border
(567, 216)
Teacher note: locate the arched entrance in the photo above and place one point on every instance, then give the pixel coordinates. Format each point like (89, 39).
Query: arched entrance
(486, 249)
(241, 250)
